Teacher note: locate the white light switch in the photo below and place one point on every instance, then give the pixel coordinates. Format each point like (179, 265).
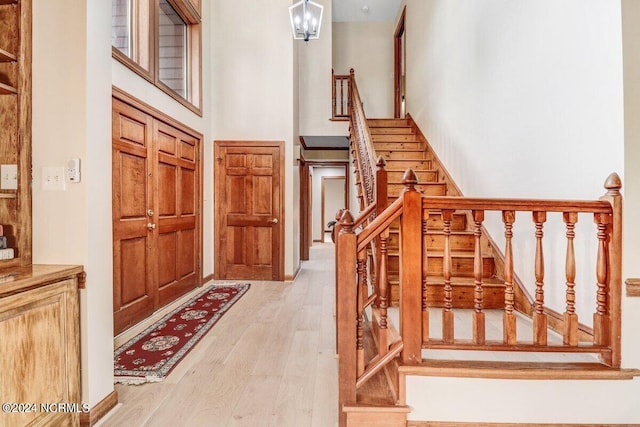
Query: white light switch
(53, 178)
(8, 177)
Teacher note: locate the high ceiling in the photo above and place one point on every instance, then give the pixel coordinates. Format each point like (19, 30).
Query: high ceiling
(364, 10)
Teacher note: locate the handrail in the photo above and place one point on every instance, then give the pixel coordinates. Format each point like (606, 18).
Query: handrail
(512, 204)
(363, 146)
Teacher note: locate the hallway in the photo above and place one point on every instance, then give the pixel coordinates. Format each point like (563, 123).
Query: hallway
(269, 361)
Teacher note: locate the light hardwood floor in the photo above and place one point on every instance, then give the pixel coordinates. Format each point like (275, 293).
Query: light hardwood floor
(269, 361)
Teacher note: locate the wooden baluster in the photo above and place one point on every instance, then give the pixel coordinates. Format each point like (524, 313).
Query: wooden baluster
(479, 335)
(346, 313)
(383, 293)
(411, 270)
(341, 97)
(381, 203)
(601, 316)
(509, 318)
(333, 93)
(425, 272)
(539, 317)
(570, 332)
(447, 313)
(361, 297)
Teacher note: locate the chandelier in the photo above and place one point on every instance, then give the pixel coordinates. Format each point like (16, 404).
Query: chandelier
(306, 18)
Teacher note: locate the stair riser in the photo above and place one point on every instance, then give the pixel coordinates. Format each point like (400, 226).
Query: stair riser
(435, 242)
(398, 146)
(429, 189)
(391, 131)
(400, 155)
(410, 164)
(493, 297)
(434, 222)
(395, 138)
(423, 176)
(460, 267)
(388, 123)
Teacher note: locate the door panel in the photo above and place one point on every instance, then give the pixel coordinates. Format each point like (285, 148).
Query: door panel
(133, 293)
(156, 218)
(177, 213)
(249, 210)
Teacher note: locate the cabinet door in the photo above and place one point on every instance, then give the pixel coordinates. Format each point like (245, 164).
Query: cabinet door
(40, 355)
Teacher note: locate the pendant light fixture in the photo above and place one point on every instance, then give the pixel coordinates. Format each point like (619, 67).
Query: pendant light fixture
(306, 18)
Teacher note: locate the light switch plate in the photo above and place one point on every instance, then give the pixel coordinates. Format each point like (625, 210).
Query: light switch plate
(53, 178)
(8, 177)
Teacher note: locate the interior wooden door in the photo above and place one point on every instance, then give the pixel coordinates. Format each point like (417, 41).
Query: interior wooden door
(134, 285)
(156, 213)
(249, 195)
(176, 212)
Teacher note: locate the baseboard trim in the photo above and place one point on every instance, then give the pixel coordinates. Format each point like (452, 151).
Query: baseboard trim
(88, 419)
(292, 278)
(207, 279)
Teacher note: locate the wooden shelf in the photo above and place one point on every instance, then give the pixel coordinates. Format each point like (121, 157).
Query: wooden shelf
(7, 90)
(6, 56)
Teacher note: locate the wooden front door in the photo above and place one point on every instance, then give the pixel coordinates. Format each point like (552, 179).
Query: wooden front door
(249, 195)
(156, 220)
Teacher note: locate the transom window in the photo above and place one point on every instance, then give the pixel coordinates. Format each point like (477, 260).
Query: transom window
(160, 40)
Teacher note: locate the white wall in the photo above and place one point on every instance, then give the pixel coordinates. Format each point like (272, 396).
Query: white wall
(367, 47)
(314, 71)
(254, 89)
(522, 99)
(72, 118)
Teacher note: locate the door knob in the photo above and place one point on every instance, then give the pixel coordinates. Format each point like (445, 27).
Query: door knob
(273, 221)
(151, 226)
(149, 212)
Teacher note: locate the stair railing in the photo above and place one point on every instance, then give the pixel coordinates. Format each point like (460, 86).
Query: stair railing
(412, 209)
(603, 338)
(341, 104)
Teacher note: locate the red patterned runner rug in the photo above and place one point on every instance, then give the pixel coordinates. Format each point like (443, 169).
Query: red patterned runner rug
(152, 354)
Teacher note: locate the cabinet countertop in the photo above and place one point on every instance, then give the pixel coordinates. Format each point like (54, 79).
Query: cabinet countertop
(18, 279)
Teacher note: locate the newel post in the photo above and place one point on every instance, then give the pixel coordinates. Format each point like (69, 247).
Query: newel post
(411, 270)
(613, 185)
(346, 313)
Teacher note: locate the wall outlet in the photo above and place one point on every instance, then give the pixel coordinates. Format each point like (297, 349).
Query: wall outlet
(53, 178)
(8, 177)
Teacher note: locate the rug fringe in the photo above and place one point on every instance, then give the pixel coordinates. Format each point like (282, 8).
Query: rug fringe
(137, 380)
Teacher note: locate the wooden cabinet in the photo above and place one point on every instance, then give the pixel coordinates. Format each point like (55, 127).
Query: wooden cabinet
(15, 128)
(40, 352)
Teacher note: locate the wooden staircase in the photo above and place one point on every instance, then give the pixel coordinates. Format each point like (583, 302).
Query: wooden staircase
(401, 144)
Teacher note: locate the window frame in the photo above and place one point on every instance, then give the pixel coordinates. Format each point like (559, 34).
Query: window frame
(145, 42)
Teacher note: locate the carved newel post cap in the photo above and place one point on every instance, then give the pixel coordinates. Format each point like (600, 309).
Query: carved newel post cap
(339, 214)
(409, 180)
(351, 71)
(381, 163)
(347, 222)
(613, 184)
